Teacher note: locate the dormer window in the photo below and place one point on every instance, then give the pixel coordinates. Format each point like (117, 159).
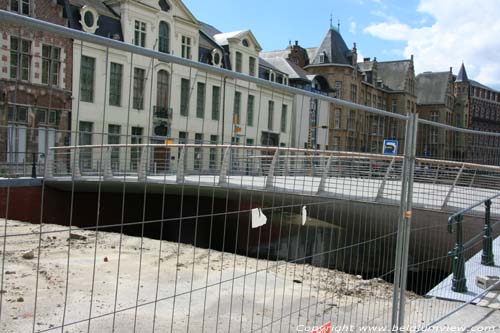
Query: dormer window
(216, 57)
(20, 6)
(88, 19)
(164, 5)
(245, 43)
(322, 58)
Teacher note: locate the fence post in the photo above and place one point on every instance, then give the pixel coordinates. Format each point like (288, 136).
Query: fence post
(143, 165)
(404, 223)
(459, 282)
(321, 186)
(487, 258)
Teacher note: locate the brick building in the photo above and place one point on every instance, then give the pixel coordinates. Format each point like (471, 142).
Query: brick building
(35, 84)
(458, 101)
(384, 85)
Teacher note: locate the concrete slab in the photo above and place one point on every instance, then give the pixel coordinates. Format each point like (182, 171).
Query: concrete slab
(473, 268)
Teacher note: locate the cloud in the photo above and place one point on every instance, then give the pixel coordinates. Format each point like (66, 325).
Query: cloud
(464, 30)
(353, 27)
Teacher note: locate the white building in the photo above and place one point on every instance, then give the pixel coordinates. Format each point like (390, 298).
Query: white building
(124, 98)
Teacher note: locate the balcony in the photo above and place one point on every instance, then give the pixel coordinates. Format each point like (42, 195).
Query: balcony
(162, 113)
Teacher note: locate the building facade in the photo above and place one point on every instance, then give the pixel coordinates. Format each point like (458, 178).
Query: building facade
(35, 85)
(384, 85)
(458, 101)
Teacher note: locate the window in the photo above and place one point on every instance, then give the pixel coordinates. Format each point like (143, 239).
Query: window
(138, 97)
(336, 118)
(135, 152)
(237, 107)
(164, 38)
(140, 34)
(284, 111)
(215, 102)
(336, 143)
(20, 6)
(200, 104)
(214, 139)
(51, 64)
(41, 116)
(245, 43)
(52, 117)
(20, 59)
(322, 58)
(114, 139)
(85, 138)
(354, 93)
(394, 107)
(250, 109)
(251, 66)
(238, 62)
(198, 152)
(270, 116)
(87, 79)
(435, 116)
(184, 97)
(115, 84)
(186, 47)
(350, 120)
(162, 90)
(338, 89)
(183, 137)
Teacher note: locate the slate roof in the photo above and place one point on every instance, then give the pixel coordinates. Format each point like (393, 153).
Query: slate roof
(265, 63)
(431, 87)
(288, 67)
(209, 30)
(335, 49)
(393, 73)
(462, 75)
(482, 86)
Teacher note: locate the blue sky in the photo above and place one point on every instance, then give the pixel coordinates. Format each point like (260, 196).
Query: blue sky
(440, 33)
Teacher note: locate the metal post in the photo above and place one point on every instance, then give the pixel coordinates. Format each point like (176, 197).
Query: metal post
(181, 166)
(487, 258)
(270, 175)
(459, 282)
(33, 167)
(402, 245)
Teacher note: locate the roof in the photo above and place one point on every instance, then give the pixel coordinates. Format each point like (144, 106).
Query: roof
(432, 87)
(98, 5)
(265, 63)
(462, 74)
(288, 67)
(275, 54)
(482, 86)
(222, 38)
(335, 49)
(393, 73)
(209, 30)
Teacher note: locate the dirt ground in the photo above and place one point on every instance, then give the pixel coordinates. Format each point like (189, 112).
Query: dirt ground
(129, 284)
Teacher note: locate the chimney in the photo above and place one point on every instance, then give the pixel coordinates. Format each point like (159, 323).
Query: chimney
(296, 43)
(366, 59)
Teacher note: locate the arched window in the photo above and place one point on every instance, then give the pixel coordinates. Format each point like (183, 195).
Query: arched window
(162, 90)
(164, 38)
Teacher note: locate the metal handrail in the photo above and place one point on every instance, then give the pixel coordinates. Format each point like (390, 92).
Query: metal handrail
(459, 281)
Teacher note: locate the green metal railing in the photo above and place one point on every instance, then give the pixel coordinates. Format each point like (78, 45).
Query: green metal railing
(459, 282)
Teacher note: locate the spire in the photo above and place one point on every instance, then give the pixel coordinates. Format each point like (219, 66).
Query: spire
(331, 21)
(338, 26)
(462, 75)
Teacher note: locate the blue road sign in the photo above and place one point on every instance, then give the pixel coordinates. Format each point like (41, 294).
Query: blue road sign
(390, 147)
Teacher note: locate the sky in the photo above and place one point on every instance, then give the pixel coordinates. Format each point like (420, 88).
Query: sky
(439, 33)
